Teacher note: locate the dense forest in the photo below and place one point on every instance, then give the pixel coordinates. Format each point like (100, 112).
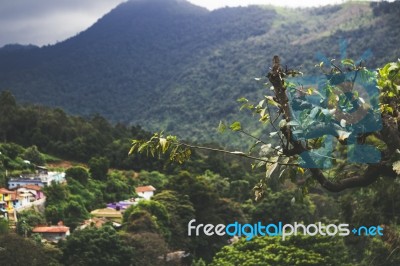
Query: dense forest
(146, 62)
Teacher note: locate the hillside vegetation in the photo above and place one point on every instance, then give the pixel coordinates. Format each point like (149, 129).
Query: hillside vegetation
(169, 65)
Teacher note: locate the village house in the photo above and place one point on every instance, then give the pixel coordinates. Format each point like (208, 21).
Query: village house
(109, 214)
(122, 205)
(35, 191)
(52, 233)
(145, 192)
(19, 199)
(9, 200)
(97, 222)
(16, 182)
(42, 178)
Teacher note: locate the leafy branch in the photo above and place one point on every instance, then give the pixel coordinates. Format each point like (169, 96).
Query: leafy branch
(180, 152)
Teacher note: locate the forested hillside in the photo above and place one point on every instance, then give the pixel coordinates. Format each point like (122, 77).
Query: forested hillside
(174, 66)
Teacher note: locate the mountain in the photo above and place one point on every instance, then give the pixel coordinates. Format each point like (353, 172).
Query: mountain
(170, 65)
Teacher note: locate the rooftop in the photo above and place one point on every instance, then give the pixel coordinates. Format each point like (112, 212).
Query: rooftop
(145, 189)
(6, 191)
(50, 229)
(107, 212)
(33, 187)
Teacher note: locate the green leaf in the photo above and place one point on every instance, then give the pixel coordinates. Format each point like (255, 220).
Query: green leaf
(281, 174)
(393, 66)
(163, 144)
(270, 169)
(266, 150)
(348, 62)
(221, 127)
(282, 123)
(242, 100)
(142, 147)
(236, 126)
(261, 163)
(264, 119)
(247, 106)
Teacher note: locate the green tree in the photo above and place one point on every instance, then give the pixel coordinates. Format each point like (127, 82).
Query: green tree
(16, 250)
(8, 113)
(74, 213)
(279, 206)
(180, 211)
(209, 208)
(154, 178)
(4, 226)
(117, 188)
(149, 208)
(33, 155)
(297, 250)
(56, 193)
(78, 173)
(99, 168)
(92, 246)
(29, 219)
(148, 248)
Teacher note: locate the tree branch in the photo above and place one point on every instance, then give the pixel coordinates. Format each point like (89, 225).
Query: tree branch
(237, 153)
(372, 172)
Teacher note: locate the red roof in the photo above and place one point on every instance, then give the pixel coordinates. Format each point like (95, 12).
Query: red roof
(145, 189)
(50, 229)
(13, 194)
(6, 191)
(33, 187)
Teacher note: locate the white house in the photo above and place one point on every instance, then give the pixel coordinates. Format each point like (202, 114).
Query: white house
(145, 192)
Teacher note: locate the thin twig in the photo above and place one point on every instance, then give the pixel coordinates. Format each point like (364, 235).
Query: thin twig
(251, 136)
(242, 154)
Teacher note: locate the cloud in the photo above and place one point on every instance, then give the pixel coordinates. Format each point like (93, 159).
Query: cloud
(44, 22)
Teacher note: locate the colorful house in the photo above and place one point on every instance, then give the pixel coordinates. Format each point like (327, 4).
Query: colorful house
(145, 192)
(23, 197)
(9, 200)
(35, 191)
(122, 205)
(16, 182)
(41, 179)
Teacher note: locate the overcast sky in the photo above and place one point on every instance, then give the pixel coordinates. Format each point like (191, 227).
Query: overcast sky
(42, 22)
